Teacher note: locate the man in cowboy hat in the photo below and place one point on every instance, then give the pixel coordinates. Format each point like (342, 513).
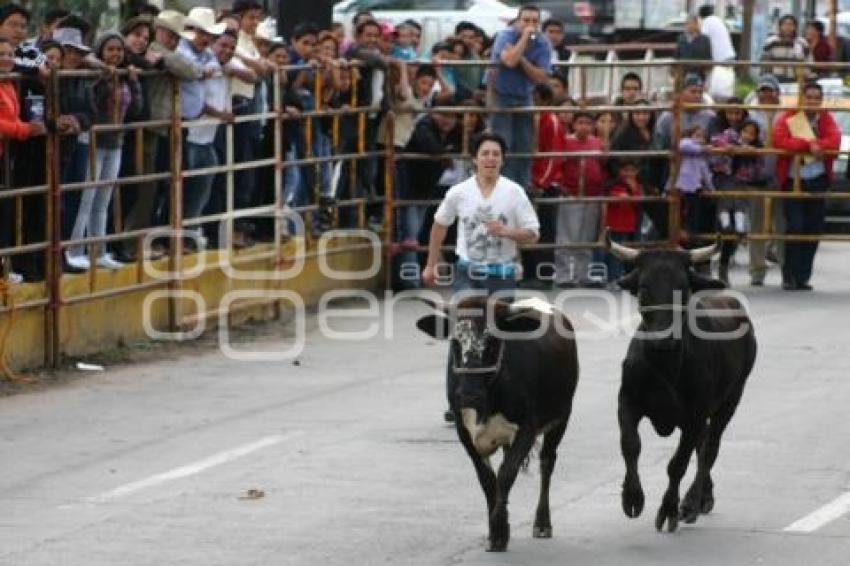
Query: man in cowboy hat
(198, 149)
(169, 28)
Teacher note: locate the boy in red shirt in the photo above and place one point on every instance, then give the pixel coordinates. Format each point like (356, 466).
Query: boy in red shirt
(623, 218)
(546, 178)
(579, 221)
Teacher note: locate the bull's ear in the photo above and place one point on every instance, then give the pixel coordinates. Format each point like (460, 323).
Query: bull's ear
(519, 322)
(701, 282)
(629, 282)
(434, 325)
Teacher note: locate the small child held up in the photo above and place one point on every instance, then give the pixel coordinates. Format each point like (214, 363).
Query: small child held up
(403, 47)
(695, 177)
(623, 218)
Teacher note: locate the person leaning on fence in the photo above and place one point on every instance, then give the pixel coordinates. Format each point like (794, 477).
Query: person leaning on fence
(111, 102)
(785, 46)
(578, 222)
(198, 101)
(434, 134)
(766, 93)
(691, 93)
(622, 218)
(524, 58)
(546, 180)
(150, 207)
(11, 127)
(809, 134)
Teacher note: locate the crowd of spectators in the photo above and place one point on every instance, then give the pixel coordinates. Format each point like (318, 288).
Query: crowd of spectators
(225, 65)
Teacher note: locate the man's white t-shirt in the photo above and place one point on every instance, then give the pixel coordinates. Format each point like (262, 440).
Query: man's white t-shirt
(508, 203)
(718, 34)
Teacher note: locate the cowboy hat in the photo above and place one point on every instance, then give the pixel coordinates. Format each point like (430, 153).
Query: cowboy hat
(173, 21)
(203, 19)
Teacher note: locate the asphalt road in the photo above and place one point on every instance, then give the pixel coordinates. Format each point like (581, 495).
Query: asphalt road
(344, 458)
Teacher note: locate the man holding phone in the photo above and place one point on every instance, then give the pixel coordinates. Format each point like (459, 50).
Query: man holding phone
(524, 56)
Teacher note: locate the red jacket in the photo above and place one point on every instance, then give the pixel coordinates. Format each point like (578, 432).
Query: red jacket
(829, 137)
(551, 136)
(594, 170)
(623, 216)
(11, 125)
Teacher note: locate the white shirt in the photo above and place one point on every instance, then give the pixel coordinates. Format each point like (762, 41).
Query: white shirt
(216, 96)
(245, 47)
(721, 42)
(465, 203)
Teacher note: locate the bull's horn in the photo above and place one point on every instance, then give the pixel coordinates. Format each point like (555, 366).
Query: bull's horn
(436, 305)
(624, 253)
(704, 253)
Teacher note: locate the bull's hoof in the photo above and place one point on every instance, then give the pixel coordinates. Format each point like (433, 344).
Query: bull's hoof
(668, 513)
(633, 501)
(707, 503)
(689, 512)
(542, 532)
(497, 545)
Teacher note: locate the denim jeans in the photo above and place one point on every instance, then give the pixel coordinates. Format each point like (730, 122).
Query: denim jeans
(197, 189)
(518, 131)
(804, 216)
(94, 204)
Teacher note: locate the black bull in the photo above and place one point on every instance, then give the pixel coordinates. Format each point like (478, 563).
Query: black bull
(686, 367)
(511, 389)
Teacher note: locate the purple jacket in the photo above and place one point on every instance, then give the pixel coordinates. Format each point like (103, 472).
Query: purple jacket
(694, 173)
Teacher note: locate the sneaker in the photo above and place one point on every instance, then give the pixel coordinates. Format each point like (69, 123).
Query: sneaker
(14, 278)
(725, 221)
(109, 262)
(77, 262)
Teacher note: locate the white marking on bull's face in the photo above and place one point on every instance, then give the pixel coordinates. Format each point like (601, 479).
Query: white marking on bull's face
(472, 342)
(491, 435)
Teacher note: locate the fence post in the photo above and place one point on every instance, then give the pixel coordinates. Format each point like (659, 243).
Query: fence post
(675, 158)
(53, 259)
(175, 258)
(389, 195)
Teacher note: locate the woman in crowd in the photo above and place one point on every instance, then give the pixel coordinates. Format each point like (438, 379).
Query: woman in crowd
(113, 100)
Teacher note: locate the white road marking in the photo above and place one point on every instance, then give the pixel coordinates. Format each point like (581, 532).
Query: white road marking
(192, 469)
(826, 514)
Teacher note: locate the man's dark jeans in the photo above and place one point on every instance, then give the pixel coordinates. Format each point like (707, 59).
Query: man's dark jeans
(804, 216)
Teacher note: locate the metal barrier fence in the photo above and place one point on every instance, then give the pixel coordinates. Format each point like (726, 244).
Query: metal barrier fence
(52, 245)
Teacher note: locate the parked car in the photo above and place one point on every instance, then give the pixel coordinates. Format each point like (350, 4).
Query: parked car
(437, 17)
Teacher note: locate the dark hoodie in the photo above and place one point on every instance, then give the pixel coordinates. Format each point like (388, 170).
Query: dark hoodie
(104, 96)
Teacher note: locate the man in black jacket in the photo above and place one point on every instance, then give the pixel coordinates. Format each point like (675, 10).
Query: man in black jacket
(435, 134)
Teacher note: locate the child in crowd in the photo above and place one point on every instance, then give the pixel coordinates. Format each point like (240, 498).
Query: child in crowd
(694, 178)
(623, 218)
(403, 43)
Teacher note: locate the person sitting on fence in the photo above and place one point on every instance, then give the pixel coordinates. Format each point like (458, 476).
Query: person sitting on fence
(578, 222)
(694, 178)
(112, 101)
(622, 219)
(11, 127)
